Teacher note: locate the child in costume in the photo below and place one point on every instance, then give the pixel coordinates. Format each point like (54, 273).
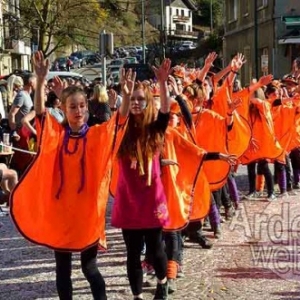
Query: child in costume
(70, 177)
(140, 205)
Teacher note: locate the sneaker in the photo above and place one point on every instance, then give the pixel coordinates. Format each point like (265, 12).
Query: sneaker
(271, 197)
(253, 195)
(180, 273)
(147, 269)
(172, 287)
(161, 292)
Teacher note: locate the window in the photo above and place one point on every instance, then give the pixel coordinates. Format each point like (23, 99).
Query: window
(182, 12)
(232, 10)
(177, 12)
(262, 3)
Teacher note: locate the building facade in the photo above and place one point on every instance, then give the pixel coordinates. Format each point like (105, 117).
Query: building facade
(14, 53)
(276, 28)
(176, 19)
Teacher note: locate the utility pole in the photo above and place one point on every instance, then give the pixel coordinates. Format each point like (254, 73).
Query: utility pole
(256, 39)
(103, 57)
(143, 31)
(162, 29)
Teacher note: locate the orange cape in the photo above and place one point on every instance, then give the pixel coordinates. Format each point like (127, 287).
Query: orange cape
(210, 134)
(284, 118)
(238, 138)
(75, 220)
(263, 136)
(186, 187)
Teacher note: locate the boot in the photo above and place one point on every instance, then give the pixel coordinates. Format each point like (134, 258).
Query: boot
(161, 292)
(217, 231)
(204, 242)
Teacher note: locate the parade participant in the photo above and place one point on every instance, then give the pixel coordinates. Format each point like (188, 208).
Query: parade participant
(284, 111)
(140, 207)
(263, 145)
(71, 170)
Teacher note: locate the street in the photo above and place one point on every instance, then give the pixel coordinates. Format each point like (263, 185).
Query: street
(256, 258)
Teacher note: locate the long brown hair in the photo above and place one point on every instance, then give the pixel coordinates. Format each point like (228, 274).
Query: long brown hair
(151, 140)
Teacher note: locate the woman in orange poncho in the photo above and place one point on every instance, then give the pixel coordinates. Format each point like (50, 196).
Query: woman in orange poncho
(69, 177)
(284, 118)
(263, 144)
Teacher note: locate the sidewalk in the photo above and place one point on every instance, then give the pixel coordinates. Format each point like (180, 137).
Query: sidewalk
(257, 258)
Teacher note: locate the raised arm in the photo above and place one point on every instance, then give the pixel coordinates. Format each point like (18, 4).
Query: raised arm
(41, 69)
(162, 74)
(208, 63)
(127, 81)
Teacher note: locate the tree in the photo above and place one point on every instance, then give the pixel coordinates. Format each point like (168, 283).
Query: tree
(58, 23)
(217, 12)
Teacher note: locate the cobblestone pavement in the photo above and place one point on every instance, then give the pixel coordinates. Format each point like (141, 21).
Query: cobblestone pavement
(256, 258)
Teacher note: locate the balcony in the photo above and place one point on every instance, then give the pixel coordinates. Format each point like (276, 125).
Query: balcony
(14, 46)
(185, 34)
(181, 19)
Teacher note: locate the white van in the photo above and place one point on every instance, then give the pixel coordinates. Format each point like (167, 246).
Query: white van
(65, 74)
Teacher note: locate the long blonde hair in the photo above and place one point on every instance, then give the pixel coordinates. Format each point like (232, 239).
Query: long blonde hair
(150, 139)
(100, 93)
(13, 81)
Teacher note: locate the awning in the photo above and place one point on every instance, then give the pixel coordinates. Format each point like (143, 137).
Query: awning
(292, 37)
(291, 20)
(291, 40)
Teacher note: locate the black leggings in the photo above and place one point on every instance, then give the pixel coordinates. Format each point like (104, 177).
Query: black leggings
(89, 268)
(133, 240)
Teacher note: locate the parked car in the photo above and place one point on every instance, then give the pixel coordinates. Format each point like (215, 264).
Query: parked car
(93, 59)
(76, 63)
(117, 62)
(143, 71)
(112, 69)
(65, 75)
(131, 60)
(60, 64)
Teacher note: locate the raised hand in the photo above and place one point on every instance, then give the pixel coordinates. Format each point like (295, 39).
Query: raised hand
(40, 65)
(163, 72)
(237, 62)
(127, 81)
(177, 91)
(211, 57)
(58, 86)
(112, 97)
(265, 80)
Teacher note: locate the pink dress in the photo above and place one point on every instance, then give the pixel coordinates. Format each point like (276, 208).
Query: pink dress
(136, 205)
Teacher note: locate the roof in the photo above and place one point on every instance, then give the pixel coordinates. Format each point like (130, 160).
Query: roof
(183, 4)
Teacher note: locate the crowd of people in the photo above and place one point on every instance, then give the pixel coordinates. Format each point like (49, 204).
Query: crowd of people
(167, 150)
